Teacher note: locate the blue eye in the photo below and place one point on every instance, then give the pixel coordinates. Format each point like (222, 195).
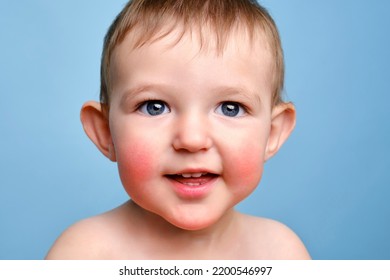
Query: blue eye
(230, 109)
(154, 108)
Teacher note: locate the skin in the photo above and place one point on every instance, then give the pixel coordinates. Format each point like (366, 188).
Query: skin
(170, 218)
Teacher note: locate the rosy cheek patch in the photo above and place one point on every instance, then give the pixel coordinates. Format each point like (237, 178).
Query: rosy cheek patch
(247, 165)
(135, 163)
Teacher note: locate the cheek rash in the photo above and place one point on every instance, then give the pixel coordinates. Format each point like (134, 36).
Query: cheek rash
(249, 167)
(135, 165)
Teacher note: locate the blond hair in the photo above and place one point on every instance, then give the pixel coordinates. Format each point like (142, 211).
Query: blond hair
(151, 17)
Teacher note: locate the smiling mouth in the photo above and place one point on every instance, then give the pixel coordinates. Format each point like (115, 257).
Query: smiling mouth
(193, 179)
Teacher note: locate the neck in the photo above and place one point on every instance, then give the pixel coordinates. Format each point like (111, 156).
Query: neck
(193, 243)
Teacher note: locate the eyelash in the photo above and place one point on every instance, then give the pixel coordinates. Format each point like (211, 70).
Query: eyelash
(243, 106)
(147, 100)
(142, 103)
(139, 105)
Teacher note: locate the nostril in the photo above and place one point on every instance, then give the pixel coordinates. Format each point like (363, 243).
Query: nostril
(192, 133)
(192, 143)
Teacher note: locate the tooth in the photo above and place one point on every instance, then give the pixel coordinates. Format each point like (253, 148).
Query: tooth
(194, 175)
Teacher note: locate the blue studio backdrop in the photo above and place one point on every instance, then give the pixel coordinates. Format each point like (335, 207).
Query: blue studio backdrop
(329, 183)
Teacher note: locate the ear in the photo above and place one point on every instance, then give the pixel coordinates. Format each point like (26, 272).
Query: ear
(282, 124)
(96, 126)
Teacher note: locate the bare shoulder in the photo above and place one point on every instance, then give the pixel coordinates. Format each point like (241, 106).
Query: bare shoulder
(80, 241)
(92, 238)
(275, 240)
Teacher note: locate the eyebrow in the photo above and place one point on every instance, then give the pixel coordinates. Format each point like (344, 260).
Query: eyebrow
(228, 91)
(222, 91)
(134, 91)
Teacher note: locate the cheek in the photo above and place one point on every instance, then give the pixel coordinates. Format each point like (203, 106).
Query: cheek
(249, 164)
(135, 164)
(246, 168)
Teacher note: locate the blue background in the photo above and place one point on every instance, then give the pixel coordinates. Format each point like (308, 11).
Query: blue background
(329, 183)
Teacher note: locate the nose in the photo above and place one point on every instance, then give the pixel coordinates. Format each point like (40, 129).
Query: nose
(192, 134)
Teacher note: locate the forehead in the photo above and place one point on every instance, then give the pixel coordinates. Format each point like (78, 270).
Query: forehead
(237, 43)
(194, 57)
(206, 37)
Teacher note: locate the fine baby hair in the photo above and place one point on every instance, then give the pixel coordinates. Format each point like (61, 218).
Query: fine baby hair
(149, 21)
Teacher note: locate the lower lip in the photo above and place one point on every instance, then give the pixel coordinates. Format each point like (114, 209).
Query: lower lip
(193, 191)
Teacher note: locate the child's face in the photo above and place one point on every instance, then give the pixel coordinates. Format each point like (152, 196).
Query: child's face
(190, 128)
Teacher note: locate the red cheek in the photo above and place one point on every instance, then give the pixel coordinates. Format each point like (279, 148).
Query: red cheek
(135, 164)
(248, 165)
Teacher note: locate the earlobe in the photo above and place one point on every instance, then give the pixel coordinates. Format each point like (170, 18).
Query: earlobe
(282, 124)
(96, 126)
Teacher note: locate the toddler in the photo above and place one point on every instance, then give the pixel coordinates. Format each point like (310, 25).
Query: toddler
(190, 110)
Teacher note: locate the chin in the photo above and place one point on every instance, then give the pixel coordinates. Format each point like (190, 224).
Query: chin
(194, 222)
(192, 226)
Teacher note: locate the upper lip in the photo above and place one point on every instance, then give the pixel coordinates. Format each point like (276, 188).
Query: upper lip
(193, 171)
